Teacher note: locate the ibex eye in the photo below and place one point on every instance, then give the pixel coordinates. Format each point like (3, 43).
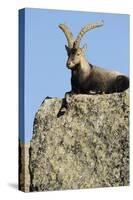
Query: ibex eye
(78, 54)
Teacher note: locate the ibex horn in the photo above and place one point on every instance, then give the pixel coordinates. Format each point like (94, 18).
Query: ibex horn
(86, 28)
(68, 35)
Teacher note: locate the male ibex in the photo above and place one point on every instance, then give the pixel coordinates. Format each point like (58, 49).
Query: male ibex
(87, 78)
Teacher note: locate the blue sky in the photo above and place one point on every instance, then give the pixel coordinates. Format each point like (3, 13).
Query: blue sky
(45, 56)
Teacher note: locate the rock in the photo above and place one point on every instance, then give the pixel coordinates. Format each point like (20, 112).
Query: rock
(85, 147)
(24, 175)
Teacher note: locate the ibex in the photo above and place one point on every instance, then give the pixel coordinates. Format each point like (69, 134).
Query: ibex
(87, 78)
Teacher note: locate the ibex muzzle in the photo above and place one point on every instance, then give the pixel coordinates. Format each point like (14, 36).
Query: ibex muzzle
(85, 76)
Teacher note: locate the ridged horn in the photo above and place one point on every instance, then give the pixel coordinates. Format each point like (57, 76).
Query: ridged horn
(68, 35)
(85, 29)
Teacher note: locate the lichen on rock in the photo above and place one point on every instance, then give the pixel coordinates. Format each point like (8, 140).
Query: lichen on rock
(86, 147)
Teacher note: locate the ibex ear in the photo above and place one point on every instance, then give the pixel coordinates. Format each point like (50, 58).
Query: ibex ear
(67, 49)
(84, 48)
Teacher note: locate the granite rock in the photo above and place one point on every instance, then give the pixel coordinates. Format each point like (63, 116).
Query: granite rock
(24, 175)
(85, 147)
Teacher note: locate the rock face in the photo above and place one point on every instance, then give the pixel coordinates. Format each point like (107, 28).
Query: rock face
(24, 175)
(87, 146)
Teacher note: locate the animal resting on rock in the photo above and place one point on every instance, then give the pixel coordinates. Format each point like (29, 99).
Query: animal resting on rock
(87, 78)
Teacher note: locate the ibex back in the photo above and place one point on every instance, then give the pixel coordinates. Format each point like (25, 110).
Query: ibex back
(87, 78)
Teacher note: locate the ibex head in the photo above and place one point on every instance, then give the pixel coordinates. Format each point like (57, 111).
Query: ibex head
(75, 53)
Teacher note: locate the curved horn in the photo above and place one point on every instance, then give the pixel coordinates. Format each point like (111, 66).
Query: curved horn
(68, 35)
(86, 28)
